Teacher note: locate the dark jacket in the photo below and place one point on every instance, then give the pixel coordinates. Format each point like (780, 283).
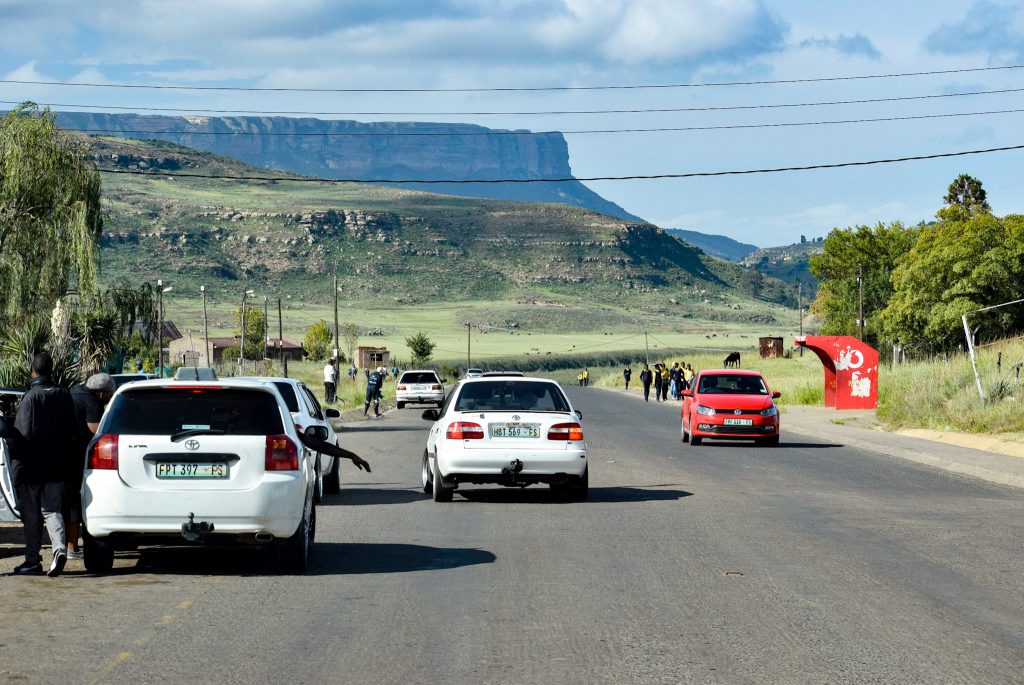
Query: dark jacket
(46, 427)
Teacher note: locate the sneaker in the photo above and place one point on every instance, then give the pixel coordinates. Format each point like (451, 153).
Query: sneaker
(60, 557)
(72, 554)
(27, 569)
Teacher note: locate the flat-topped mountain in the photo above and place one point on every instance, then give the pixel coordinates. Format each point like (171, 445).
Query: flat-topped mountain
(368, 151)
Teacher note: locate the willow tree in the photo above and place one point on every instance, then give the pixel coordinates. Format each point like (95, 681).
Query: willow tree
(50, 222)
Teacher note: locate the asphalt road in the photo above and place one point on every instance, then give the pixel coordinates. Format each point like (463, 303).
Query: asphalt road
(808, 563)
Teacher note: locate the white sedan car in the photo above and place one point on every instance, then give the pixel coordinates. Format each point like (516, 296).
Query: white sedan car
(511, 431)
(422, 386)
(198, 463)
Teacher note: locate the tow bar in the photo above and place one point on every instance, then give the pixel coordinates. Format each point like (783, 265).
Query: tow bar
(513, 469)
(192, 531)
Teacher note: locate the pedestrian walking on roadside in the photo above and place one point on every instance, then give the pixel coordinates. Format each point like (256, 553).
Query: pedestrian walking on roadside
(44, 428)
(627, 373)
(352, 373)
(657, 382)
(579, 378)
(688, 374)
(89, 400)
(665, 377)
(586, 377)
(374, 383)
(645, 380)
(330, 385)
(676, 380)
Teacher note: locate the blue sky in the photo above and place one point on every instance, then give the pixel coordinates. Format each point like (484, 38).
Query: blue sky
(529, 43)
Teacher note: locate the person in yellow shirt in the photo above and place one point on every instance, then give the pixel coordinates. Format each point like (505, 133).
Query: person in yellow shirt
(666, 378)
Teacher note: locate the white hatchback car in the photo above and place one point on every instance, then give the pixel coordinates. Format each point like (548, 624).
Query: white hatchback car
(511, 431)
(422, 386)
(306, 412)
(198, 462)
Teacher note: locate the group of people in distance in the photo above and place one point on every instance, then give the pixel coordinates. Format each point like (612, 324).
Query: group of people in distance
(374, 384)
(667, 381)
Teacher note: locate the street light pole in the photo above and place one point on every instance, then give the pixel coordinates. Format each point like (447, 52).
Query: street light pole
(469, 348)
(206, 328)
(800, 310)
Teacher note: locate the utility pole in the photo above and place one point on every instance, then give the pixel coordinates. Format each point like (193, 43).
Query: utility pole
(974, 361)
(647, 347)
(337, 342)
(800, 310)
(241, 343)
(860, 288)
(160, 327)
(266, 328)
(206, 327)
(469, 356)
(280, 338)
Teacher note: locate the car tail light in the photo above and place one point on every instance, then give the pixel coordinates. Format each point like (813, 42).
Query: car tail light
(566, 431)
(435, 387)
(401, 387)
(465, 430)
(103, 455)
(281, 454)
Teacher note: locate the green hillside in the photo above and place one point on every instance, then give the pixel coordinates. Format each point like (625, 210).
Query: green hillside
(394, 247)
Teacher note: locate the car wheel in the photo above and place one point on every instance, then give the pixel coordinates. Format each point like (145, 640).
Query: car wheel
(318, 487)
(97, 553)
(401, 405)
(441, 492)
(696, 440)
(294, 554)
(685, 437)
(579, 489)
(426, 476)
(332, 485)
(769, 442)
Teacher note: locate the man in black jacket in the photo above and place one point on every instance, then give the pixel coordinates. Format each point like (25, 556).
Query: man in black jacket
(645, 380)
(45, 427)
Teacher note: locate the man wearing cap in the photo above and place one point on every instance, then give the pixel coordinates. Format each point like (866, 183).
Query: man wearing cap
(44, 448)
(89, 400)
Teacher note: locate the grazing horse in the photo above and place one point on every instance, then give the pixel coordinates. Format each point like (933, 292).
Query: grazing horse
(733, 360)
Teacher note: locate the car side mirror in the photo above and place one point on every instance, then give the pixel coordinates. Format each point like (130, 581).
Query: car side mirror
(579, 415)
(776, 394)
(317, 432)
(687, 393)
(431, 414)
(332, 413)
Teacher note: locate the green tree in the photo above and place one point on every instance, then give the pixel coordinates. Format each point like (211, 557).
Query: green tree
(845, 252)
(255, 345)
(50, 221)
(350, 334)
(422, 348)
(318, 341)
(956, 267)
(965, 197)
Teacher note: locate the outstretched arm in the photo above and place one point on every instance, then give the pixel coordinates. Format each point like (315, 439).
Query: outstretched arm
(335, 451)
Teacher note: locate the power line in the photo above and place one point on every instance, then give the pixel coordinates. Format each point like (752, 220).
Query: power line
(647, 110)
(667, 129)
(634, 177)
(712, 84)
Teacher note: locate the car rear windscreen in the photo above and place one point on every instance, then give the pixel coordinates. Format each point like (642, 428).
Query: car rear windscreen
(505, 395)
(288, 393)
(731, 384)
(419, 377)
(165, 411)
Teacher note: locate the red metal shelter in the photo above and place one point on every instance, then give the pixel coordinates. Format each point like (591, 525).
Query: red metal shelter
(851, 370)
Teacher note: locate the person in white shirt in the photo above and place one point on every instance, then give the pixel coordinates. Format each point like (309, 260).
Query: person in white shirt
(330, 388)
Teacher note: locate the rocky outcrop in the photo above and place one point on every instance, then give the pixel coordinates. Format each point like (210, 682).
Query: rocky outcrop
(374, 151)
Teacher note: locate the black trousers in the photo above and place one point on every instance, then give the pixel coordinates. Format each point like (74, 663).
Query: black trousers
(647, 392)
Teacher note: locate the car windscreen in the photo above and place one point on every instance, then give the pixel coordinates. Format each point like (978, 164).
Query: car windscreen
(419, 377)
(288, 393)
(507, 395)
(731, 384)
(167, 411)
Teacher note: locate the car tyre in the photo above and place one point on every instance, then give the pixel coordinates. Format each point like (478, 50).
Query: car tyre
(769, 442)
(293, 557)
(685, 437)
(97, 553)
(401, 405)
(426, 476)
(441, 492)
(332, 485)
(696, 440)
(579, 488)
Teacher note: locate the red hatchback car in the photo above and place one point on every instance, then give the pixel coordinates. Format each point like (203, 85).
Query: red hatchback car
(730, 404)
